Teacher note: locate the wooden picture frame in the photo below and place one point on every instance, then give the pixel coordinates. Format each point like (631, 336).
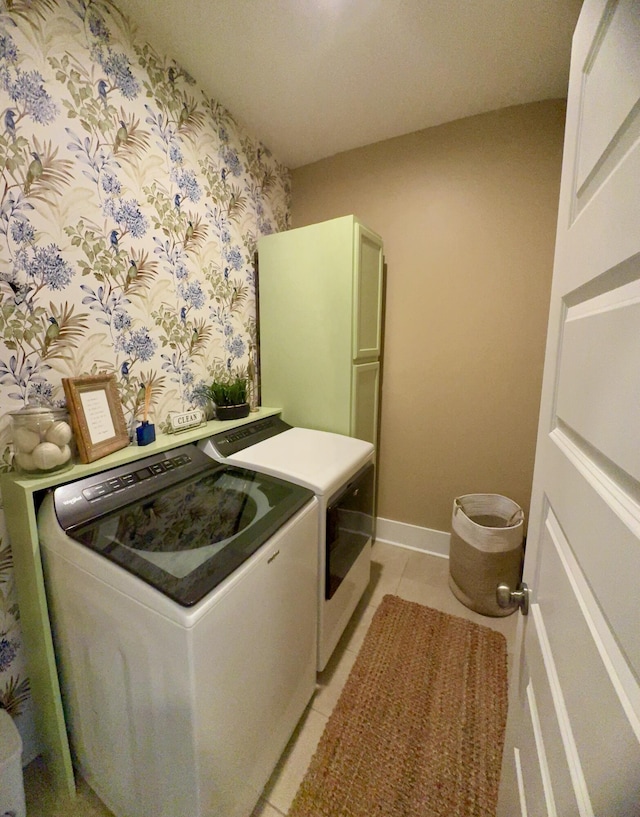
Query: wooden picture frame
(96, 415)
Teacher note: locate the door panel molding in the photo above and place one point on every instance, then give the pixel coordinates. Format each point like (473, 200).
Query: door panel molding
(590, 256)
(571, 751)
(603, 116)
(586, 688)
(520, 779)
(615, 487)
(558, 769)
(528, 771)
(623, 274)
(541, 752)
(597, 530)
(594, 375)
(611, 655)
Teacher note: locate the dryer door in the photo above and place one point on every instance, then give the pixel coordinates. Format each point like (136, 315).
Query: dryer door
(349, 527)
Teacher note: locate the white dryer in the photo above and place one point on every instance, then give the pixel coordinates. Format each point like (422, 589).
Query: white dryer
(340, 471)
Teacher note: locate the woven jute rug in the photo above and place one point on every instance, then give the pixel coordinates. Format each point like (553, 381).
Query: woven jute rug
(418, 730)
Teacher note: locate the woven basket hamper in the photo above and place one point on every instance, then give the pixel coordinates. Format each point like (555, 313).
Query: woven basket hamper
(486, 548)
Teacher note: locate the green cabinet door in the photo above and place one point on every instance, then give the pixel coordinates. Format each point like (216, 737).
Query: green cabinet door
(320, 304)
(367, 318)
(365, 389)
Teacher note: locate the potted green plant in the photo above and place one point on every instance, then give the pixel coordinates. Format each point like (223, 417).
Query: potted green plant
(229, 397)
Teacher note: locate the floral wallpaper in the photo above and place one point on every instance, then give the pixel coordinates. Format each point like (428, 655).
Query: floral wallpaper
(130, 207)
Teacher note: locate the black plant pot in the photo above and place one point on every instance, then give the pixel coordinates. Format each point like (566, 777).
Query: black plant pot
(232, 412)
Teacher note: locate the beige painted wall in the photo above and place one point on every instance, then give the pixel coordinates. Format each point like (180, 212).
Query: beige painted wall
(468, 214)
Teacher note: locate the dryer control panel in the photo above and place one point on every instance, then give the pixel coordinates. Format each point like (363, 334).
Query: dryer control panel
(227, 443)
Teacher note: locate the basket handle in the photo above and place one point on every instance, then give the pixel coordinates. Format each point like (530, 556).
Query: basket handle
(512, 519)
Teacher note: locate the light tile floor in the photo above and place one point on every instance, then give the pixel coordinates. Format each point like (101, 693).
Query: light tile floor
(409, 574)
(406, 573)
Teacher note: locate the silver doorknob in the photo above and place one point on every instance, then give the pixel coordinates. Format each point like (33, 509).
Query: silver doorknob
(506, 597)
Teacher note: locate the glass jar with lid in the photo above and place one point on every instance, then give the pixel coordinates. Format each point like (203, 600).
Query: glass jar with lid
(42, 440)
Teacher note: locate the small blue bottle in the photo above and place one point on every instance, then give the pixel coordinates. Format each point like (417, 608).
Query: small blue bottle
(146, 433)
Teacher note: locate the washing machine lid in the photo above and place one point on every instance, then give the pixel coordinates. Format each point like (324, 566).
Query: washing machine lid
(319, 460)
(179, 521)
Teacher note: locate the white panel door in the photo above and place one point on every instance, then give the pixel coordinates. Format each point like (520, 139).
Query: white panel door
(573, 735)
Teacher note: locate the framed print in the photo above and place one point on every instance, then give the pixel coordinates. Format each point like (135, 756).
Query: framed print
(95, 410)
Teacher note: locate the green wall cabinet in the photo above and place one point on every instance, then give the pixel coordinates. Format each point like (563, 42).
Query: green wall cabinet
(320, 300)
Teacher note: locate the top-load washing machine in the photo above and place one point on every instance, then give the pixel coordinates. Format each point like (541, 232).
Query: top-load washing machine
(340, 471)
(182, 599)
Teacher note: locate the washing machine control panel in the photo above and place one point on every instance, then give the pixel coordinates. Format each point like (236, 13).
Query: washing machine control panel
(128, 480)
(91, 497)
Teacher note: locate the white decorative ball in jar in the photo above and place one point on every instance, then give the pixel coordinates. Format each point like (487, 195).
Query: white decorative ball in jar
(42, 440)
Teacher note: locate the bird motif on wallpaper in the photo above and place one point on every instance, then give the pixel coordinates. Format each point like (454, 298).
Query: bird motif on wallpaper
(10, 123)
(200, 337)
(141, 395)
(195, 232)
(174, 72)
(176, 200)
(140, 270)
(124, 369)
(132, 272)
(63, 329)
(53, 330)
(20, 294)
(121, 136)
(183, 314)
(184, 116)
(102, 92)
(113, 240)
(34, 171)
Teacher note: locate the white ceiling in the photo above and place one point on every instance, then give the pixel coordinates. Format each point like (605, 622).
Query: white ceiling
(312, 78)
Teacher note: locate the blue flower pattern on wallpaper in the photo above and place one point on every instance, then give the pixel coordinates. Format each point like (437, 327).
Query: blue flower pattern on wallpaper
(130, 209)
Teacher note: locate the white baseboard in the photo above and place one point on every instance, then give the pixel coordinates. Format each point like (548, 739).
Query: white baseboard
(435, 542)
